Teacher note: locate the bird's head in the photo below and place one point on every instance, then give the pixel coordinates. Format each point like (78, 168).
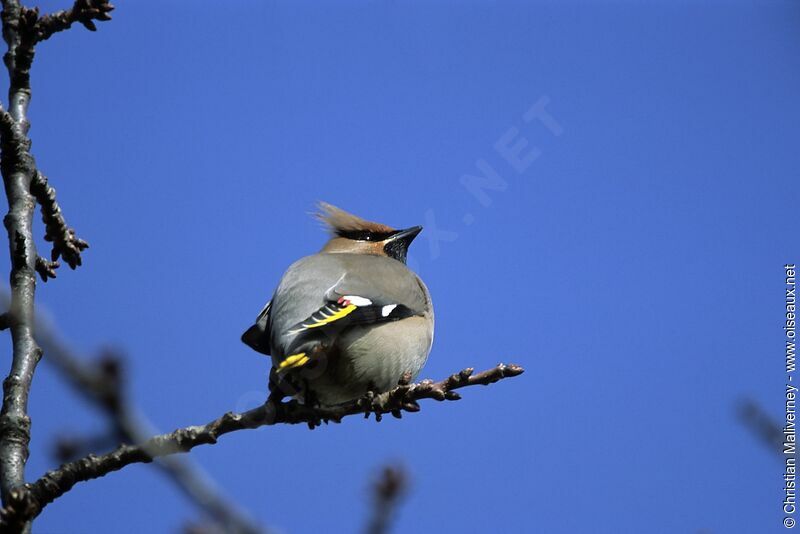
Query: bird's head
(352, 234)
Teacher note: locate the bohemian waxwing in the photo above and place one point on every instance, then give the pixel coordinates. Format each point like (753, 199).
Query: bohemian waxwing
(349, 319)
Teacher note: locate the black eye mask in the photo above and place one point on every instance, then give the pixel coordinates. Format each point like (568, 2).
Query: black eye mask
(365, 235)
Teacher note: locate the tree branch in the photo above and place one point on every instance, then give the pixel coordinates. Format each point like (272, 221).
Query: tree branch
(27, 502)
(102, 384)
(388, 491)
(18, 32)
(65, 243)
(68, 447)
(46, 269)
(83, 11)
(755, 418)
(16, 166)
(22, 29)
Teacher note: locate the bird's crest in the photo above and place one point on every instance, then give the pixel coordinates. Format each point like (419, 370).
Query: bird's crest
(340, 222)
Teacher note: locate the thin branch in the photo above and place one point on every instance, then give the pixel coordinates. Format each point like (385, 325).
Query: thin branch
(197, 487)
(27, 502)
(18, 31)
(46, 269)
(388, 492)
(767, 429)
(83, 11)
(65, 243)
(102, 383)
(16, 166)
(22, 29)
(68, 447)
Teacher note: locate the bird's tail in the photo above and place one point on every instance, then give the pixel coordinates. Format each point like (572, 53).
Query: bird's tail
(257, 338)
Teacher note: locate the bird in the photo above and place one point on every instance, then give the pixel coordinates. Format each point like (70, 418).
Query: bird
(349, 321)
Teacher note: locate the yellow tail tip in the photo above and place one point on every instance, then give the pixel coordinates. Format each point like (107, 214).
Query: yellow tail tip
(293, 361)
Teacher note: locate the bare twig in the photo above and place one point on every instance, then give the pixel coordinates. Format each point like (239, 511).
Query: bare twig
(388, 491)
(65, 243)
(68, 447)
(45, 268)
(101, 382)
(17, 165)
(762, 425)
(28, 501)
(83, 11)
(22, 28)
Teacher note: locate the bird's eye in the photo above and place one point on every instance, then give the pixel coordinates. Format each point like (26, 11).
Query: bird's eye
(365, 235)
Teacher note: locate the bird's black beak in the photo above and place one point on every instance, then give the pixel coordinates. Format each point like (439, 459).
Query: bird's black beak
(397, 245)
(407, 235)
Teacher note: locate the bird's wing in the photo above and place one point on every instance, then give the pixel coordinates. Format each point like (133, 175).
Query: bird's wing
(383, 291)
(348, 310)
(256, 336)
(333, 317)
(346, 290)
(381, 280)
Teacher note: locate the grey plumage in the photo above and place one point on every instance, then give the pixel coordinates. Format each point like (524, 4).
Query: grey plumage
(349, 319)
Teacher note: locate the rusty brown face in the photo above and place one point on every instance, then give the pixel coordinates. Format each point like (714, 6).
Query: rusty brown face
(354, 235)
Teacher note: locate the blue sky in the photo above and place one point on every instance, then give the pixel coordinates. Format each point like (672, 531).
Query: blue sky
(634, 267)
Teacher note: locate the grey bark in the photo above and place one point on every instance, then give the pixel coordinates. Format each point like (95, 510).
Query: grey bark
(404, 397)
